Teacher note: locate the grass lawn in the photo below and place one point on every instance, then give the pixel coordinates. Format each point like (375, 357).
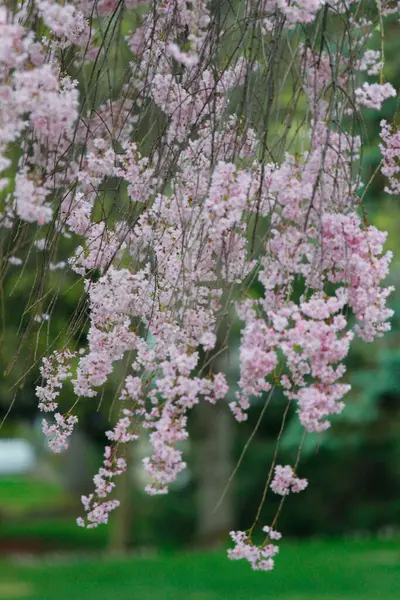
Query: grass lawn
(61, 533)
(336, 570)
(20, 494)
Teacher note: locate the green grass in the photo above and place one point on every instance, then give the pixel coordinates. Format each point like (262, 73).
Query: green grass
(324, 570)
(21, 497)
(20, 494)
(55, 533)
(367, 570)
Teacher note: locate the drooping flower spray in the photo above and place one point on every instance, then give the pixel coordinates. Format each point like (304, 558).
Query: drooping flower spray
(210, 147)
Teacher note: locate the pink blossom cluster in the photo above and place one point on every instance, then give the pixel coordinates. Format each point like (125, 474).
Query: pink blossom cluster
(55, 370)
(261, 558)
(374, 94)
(180, 393)
(298, 11)
(227, 198)
(97, 508)
(65, 22)
(311, 346)
(35, 97)
(301, 11)
(371, 62)
(96, 505)
(59, 431)
(320, 239)
(285, 481)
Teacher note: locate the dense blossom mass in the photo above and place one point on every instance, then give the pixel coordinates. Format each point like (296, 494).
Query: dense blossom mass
(181, 207)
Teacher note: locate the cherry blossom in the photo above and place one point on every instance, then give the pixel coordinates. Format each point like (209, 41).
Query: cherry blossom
(177, 200)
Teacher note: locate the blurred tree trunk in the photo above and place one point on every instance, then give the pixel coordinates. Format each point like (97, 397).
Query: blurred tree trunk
(78, 464)
(214, 464)
(121, 520)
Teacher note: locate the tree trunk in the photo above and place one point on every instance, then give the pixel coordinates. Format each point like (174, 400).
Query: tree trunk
(78, 464)
(213, 466)
(120, 522)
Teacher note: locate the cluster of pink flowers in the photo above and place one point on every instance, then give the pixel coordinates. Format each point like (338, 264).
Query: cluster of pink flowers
(65, 22)
(371, 62)
(372, 95)
(55, 370)
(180, 392)
(320, 239)
(285, 481)
(35, 97)
(96, 507)
(59, 431)
(261, 558)
(300, 11)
